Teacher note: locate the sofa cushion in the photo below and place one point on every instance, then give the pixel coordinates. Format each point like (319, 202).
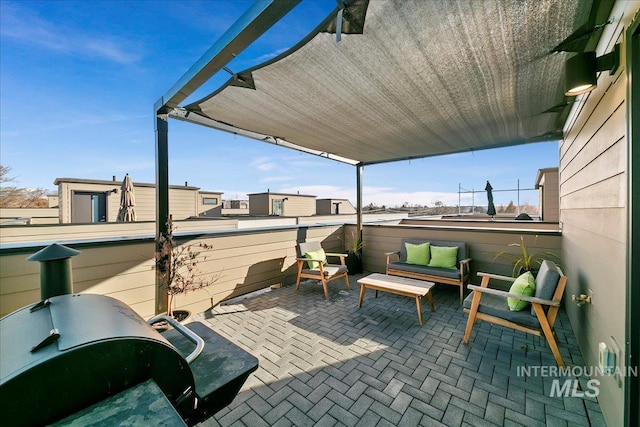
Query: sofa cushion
(462, 247)
(444, 256)
(423, 269)
(546, 282)
(417, 254)
(495, 305)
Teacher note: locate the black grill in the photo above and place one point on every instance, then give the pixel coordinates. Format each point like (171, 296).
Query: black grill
(71, 352)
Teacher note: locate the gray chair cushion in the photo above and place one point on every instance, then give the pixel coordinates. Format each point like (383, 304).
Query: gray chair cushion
(329, 270)
(495, 305)
(462, 247)
(546, 282)
(421, 269)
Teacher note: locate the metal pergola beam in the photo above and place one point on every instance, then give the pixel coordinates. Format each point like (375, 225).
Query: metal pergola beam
(262, 15)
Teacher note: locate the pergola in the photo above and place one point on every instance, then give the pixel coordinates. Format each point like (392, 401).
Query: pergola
(381, 81)
(387, 80)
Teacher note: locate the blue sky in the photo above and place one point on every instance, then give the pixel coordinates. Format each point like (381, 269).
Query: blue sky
(78, 80)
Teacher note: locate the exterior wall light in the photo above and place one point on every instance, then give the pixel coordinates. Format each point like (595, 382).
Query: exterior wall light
(580, 70)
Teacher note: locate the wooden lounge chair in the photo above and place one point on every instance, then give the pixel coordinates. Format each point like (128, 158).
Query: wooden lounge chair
(490, 305)
(321, 270)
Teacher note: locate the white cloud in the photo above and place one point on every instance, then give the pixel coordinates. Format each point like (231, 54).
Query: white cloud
(276, 179)
(264, 163)
(20, 24)
(270, 55)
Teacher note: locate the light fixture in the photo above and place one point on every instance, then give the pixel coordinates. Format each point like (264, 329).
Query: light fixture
(580, 70)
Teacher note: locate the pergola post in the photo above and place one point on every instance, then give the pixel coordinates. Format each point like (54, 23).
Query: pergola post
(359, 169)
(252, 24)
(162, 196)
(162, 174)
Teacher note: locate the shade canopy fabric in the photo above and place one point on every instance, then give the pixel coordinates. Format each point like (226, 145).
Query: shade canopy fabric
(423, 78)
(127, 212)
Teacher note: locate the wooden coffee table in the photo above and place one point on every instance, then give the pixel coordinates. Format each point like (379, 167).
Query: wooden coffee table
(397, 285)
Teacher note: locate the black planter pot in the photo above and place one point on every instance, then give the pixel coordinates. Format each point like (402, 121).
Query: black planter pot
(354, 262)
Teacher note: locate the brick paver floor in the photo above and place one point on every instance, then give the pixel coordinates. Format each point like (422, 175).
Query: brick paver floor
(328, 363)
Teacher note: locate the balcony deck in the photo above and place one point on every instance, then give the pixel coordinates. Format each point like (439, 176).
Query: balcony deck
(330, 363)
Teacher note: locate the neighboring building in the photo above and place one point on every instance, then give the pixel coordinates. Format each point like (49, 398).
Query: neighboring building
(236, 204)
(549, 194)
(227, 208)
(88, 200)
(209, 202)
(52, 200)
(334, 207)
(281, 204)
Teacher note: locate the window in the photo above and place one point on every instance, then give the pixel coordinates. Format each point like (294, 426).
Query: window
(209, 200)
(277, 207)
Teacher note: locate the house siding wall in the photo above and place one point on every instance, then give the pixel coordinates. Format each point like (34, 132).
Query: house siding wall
(483, 244)
(203, 209)
(123, 271)
(550, 197)
(243, 261)
(259, 204)
(183, 202)
(63, 233)
(297, 206)
(34, 215)
(593, 212)
(324, 206)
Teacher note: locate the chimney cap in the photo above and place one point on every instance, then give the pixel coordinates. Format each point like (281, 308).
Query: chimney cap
(53, 252)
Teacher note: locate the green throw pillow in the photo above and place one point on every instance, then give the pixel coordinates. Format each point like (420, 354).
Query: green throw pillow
(417, 254)
(525, 285)
(443, 256)
(317, 255)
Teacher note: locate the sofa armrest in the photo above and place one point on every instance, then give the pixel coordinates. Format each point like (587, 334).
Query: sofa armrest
(389, 254)
(520, 297)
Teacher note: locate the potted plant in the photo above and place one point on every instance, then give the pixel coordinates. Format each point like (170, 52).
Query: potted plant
(353, 246)
(525, 260)
(177, 267)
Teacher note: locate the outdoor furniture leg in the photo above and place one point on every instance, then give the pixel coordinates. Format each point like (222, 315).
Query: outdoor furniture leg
(430, 299)
(300, 264)
(419, 307)
(362, 289)
(548, 333)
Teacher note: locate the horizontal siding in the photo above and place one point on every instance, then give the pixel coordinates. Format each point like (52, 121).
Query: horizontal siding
(609, 192)
(28, 213)
(483, 245)
(593, 211)
(610, 133)
(242, 263)
(123, 271)
(75, 232)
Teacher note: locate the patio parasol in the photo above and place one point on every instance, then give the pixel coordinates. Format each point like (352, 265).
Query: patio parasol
(127, 212)
(491, 209)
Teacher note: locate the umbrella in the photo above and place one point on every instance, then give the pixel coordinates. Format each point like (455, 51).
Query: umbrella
(491, 209)
(127, 212)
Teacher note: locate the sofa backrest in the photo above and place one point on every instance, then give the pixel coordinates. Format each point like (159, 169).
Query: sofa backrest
(463, 248)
